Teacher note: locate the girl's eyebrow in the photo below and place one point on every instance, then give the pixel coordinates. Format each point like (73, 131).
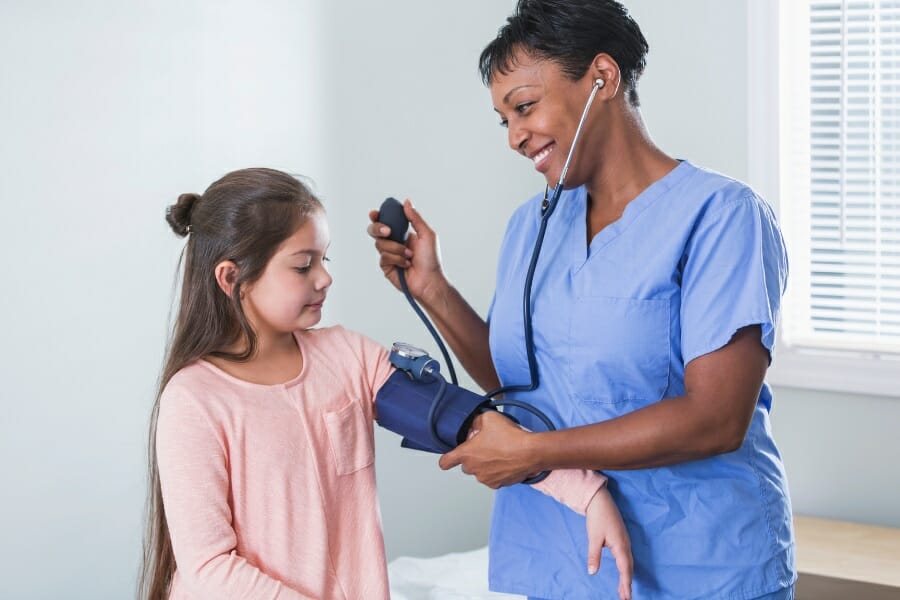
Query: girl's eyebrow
(311, 251)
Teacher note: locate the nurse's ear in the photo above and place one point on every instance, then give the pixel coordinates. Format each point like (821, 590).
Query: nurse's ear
(604, 67)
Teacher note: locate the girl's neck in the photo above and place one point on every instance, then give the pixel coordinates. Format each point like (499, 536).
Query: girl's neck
(277, 359)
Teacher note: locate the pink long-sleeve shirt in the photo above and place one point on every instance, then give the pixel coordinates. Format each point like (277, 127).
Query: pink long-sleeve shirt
(269, 490)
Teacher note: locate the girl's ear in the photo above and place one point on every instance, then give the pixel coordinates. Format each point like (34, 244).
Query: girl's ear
(226, 276)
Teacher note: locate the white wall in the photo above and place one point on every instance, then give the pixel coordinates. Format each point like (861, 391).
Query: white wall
(407, 116)
(109, 110)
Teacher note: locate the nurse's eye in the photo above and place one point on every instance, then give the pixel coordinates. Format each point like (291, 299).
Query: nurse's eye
(523, 107)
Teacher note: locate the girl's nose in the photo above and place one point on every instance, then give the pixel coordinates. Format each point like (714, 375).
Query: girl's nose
(324, 280)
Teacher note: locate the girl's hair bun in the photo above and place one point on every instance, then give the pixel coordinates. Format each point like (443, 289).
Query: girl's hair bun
(178, 215)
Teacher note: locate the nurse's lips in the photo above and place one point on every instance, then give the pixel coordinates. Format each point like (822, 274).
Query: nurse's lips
(540, 157)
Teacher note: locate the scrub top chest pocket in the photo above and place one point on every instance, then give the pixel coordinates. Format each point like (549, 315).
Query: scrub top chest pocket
(350, 438)
(619, 349)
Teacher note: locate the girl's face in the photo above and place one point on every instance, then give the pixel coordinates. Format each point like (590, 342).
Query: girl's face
(540, 106)
(291, 291)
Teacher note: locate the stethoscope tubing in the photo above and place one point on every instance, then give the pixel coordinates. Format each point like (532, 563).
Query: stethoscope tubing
(547, 209)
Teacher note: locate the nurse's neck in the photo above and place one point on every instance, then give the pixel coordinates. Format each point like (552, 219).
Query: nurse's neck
(631, 163)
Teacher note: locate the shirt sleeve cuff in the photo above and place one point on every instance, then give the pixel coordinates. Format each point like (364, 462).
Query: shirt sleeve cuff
(573, 487)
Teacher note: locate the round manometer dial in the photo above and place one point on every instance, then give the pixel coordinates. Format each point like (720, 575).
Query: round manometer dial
(408, 350)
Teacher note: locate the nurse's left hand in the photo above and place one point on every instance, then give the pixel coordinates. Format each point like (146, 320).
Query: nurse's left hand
(497, 456)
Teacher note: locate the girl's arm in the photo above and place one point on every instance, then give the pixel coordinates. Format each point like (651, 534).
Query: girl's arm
(194, 476)
(585, 492)
(606, 528)
(573, 487)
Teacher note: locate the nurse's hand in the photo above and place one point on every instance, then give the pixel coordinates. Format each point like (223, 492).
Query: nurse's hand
(606, 528)
(420, 256)
(497, 456)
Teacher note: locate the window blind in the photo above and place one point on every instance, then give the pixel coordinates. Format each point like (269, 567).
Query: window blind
(851, 290)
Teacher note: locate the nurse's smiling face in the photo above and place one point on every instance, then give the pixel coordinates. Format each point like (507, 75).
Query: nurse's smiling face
(540, 106)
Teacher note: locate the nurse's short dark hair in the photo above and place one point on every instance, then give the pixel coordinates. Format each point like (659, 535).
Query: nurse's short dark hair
(570, 33)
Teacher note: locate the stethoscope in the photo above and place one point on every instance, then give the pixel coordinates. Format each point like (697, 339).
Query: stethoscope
(421, 367)
(547, 208)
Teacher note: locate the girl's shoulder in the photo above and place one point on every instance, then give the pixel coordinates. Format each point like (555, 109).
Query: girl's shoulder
(336, 337)
(337, 344)
(195, 375)
(196, 384)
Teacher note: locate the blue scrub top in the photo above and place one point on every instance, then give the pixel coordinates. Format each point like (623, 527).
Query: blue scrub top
(694, 258)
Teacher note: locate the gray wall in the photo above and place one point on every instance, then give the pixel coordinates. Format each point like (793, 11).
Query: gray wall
(108, 111)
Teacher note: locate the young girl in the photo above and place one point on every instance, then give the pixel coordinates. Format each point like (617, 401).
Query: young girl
(261, 445)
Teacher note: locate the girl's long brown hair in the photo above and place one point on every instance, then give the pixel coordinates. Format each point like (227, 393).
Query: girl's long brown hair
(243, 217)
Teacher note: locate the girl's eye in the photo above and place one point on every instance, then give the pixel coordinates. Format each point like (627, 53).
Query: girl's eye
(306, 268)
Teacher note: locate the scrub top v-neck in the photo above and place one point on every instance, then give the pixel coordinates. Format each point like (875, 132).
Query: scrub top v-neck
(692, 259)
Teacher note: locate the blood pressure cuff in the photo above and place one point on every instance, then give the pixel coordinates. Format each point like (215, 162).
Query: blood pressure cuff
(403, 404)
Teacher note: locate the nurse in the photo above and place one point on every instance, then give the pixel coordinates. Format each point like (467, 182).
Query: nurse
(654, 307)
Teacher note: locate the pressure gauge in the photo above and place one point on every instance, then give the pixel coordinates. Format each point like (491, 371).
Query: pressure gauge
(408, 350)
(414, 361)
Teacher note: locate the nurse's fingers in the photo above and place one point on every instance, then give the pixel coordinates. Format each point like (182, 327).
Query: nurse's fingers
(416, 220)
(393, 254)
(450, 460)
(376, 229)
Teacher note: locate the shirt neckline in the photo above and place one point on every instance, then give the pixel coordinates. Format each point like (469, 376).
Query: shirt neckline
(304, 369)
(582, 253)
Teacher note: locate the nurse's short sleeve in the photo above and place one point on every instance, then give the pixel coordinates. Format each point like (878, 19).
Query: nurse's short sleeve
(733, 276)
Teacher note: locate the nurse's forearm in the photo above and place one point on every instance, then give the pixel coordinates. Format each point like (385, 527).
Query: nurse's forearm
(651, 437)
(712, 418)
(465, 332)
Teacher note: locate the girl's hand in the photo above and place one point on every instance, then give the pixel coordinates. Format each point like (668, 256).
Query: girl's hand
(606, 528)
(420, 257)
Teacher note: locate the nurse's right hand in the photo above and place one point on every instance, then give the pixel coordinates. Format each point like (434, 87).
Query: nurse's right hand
(420, 257)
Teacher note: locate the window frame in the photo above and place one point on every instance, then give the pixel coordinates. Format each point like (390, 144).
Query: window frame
(827, 369)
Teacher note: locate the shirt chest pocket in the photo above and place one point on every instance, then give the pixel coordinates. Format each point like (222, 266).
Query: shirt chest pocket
(351, 439)
(619, 349)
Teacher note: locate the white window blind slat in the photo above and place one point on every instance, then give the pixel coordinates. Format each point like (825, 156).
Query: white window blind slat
(849, 183)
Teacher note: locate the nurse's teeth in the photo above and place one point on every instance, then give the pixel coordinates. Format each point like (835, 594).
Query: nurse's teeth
(541, 155)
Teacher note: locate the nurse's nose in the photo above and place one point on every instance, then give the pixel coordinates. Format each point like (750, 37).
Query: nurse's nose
(518, 137)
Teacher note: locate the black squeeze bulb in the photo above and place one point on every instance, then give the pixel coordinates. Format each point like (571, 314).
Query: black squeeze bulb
(391, 214)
